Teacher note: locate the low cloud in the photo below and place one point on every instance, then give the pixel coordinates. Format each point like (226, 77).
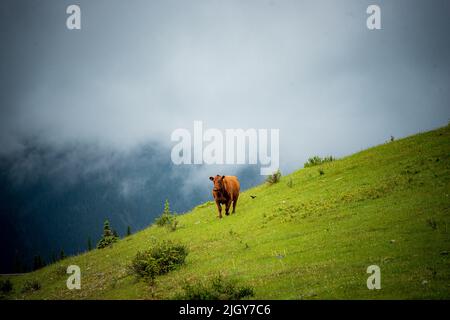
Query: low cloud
(310, 69)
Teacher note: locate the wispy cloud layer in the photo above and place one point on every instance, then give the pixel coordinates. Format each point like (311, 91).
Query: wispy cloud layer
(135, 72)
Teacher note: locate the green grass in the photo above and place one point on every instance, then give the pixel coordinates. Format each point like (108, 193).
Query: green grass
(310, 236)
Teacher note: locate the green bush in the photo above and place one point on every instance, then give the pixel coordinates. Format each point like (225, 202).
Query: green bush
(108, 238)
(160, 259)
(167, 218)
(6, 286)
(217, 289)
(31, 285)
(316, 160)
(290, 184)
(274, 177)
(163, 220)
(106, 242)
(174, 224)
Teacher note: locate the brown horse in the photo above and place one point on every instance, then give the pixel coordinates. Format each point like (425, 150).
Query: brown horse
(225, 191)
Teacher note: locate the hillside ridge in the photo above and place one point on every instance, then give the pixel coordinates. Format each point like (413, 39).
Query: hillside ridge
(310, 236)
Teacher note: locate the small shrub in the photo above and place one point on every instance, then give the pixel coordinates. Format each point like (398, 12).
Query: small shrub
(316, 160)
(217, 289)
(173, 225)
(289, 183)
(163, 220)
(162, 258)
(108, 238)
(31, 285)
(321, 172)
(313, 161)
(6, 286)
(274, 177)
(166, 218)
(106, 242)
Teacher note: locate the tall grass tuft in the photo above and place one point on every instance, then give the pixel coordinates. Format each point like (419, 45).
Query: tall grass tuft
(274, 177)
(217, 289)
(316, 160)
(31, 285)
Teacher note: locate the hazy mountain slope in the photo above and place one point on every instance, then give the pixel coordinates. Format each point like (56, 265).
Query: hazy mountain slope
(54, 198)
(388, 206)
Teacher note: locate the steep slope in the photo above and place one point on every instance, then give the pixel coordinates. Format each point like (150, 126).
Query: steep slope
(309, 236)
(47, 192)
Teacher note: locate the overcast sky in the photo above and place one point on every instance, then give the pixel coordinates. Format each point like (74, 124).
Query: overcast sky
(137, 70)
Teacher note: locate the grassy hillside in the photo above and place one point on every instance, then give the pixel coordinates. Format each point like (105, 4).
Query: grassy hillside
(314, 239)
